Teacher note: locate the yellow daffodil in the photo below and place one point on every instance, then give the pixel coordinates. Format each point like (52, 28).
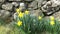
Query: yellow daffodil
(26, 12)
(39, 17)
(51, 18)
(20, 14)
(19, 23)
(52, 22)
(18, 10)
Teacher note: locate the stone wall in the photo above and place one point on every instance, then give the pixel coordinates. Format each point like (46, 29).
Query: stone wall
(36, 7)
(8, 7)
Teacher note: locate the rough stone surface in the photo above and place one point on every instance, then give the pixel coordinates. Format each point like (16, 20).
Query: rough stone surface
(0, 5)
(2, 0)
(36, 12)
(28, 0)
(22, 6)
(50, 7)
(36, 7)
(15, 4)
(14, 0)
(4, 14)
(7, 6)
(40, 2)
(57, 15)
(33, 5)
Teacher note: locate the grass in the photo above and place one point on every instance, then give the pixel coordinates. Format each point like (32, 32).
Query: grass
(31, 25)
(9, 28)
(4, 30)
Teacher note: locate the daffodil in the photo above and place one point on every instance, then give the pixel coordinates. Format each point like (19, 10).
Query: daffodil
(27, 12)
(18, 10)
(20, 14)
(51, 18)
(39, 17)
(19, 23)
(52, 22)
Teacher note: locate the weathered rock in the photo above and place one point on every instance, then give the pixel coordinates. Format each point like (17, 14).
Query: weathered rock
(7, 6)
(14, 0)
(15, 16)
(47, 9)
(40, 2)
(57, 15)
(30, 9)
(44, 2)
(4, 14)
(22, 6)
(28, 0)
(0, 5)
(36, 12)
(50, 7)
(55, 3)
(11, 0)
(2, 0)
(33, 5)
(15, 4)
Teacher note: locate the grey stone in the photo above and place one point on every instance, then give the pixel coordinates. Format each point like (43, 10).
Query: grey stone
(36, 12)
(2, 0)
(50, 7)
(22, 6)
(15, 4)
(15, 16)
(11, 0)
(7, 6)
(0, 5)
(44, 2)
(33, 5)
(40, 2)
(30, 9)
(14, 0)
(17, 0)
(28, 0)
(57, 15)
(4, 14)
(55, 3)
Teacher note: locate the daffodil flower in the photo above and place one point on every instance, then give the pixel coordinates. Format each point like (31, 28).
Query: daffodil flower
(18, 10)
(52, 22)
(19, 23)
(26, 12)
(39, 17)
(20, 14)
(51, 18)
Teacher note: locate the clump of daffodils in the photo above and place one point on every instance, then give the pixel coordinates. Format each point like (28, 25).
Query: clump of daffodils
(33, 24)
(21, 15)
